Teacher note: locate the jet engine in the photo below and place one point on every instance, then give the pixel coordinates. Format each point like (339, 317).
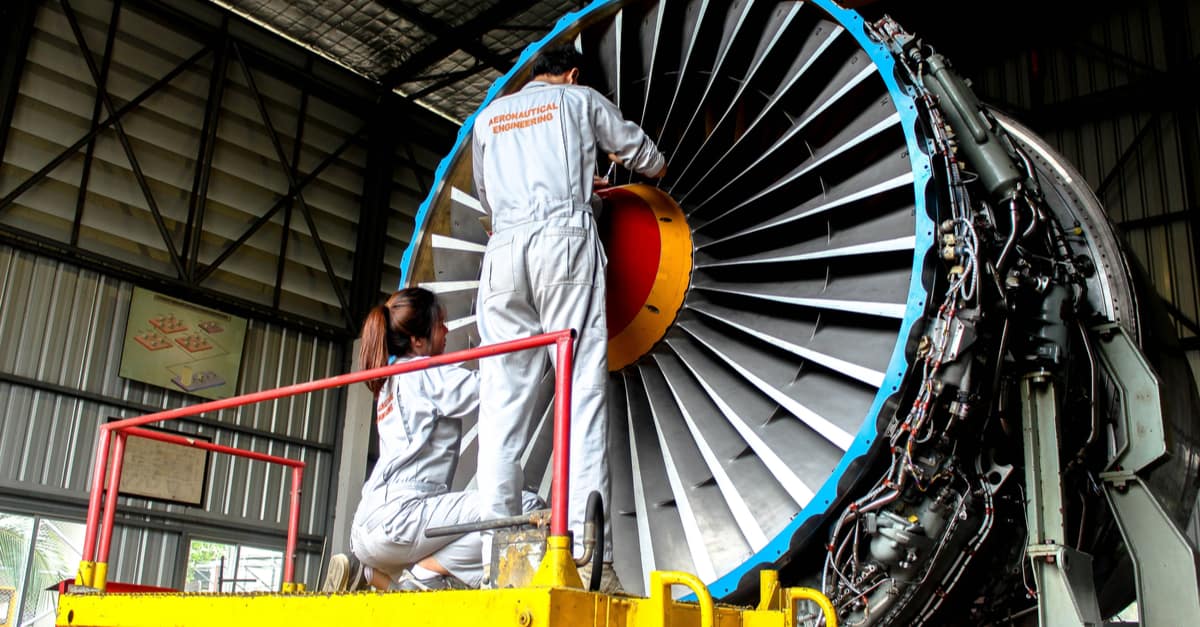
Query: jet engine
(837, 323)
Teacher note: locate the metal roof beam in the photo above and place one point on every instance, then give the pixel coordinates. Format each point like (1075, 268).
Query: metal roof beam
(466, 35)
(123, 138)
(445, 33)
(16, 29)
(447, 81)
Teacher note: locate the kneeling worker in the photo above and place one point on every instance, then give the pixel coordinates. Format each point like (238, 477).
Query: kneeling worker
(419, 416)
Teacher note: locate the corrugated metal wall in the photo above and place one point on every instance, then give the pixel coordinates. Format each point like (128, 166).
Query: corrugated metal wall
(61, 332)
(412, 176)
(1113, 98)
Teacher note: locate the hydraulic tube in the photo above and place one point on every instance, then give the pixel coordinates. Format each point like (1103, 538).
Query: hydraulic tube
(982, 148)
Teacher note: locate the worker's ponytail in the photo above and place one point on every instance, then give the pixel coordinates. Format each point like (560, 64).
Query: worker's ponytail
(390, 328)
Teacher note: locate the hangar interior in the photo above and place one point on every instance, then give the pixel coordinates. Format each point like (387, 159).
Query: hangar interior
(267, 159)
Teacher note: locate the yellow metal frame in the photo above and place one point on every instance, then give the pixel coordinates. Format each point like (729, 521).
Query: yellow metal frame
(8, 610)
(547, 606)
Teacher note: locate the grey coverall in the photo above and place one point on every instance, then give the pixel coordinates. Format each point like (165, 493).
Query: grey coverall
(419, 416)
(534, 157)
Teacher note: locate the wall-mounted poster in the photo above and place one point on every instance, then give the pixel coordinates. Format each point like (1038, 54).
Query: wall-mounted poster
(164, 471)
(181, 346)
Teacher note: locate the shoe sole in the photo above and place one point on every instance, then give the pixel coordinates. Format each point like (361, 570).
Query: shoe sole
(337, 579)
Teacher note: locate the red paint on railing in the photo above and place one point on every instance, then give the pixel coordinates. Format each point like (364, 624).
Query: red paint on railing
(562, 437)
(110, 504)
(289, 564)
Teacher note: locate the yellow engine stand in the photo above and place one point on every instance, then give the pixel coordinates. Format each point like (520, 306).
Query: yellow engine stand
(519, 607)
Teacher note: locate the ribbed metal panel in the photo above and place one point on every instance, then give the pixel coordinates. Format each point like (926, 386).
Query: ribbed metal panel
(145, 556)
(64, 326)
(411, 177)
(1134, 160)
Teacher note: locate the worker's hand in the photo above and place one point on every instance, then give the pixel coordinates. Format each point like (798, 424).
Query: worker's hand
(612, 156)
(599, 182)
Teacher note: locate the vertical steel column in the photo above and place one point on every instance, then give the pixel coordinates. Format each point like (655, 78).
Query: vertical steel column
(87, 564)
(16, 29)
(97, 109)
(561, 490)
(558, 563)
(376, 207)
(1182, 68)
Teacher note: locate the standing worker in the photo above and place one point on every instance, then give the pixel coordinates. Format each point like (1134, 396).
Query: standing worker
(534, 160)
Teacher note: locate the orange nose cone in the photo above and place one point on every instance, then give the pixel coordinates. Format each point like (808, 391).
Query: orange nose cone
(649, 248)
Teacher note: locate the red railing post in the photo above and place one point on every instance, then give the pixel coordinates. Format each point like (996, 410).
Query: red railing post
(289, 558)
(99, 467)
(560, 497)
(110, 511)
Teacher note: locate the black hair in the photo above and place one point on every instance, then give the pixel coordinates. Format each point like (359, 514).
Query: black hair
(390, 327)
(557, 61)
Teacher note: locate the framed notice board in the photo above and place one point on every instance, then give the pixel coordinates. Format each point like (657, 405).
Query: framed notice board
(164, 472)
(180, 346)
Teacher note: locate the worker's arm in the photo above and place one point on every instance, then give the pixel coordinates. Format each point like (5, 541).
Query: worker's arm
(477, 171)
(623, 139)
(454, 390)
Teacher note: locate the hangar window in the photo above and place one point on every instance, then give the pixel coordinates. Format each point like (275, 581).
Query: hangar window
(220, 567)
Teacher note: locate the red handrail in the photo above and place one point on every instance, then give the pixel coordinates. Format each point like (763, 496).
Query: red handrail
(114, 482)
(562, 438)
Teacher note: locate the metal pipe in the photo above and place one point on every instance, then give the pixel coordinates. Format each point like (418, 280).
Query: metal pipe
(110, 502)
(1093, 391)
(93, 512)
(289, 557)
(1012, 235)
(562, 434)
(809, 594)
(536, 517)
(182, 440)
